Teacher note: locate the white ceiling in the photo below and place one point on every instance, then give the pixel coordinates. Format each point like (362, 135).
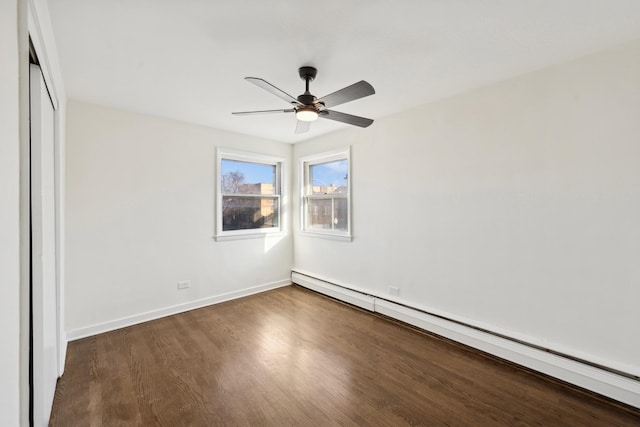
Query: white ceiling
(186, 59)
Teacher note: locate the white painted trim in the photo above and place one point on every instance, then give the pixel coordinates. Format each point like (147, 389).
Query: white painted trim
(264, 235)
(327, 156)
(25, 200)
(38, 40)
(169, 311)
(41, 34)
(352, 297)
(330, 236)
(618, 387)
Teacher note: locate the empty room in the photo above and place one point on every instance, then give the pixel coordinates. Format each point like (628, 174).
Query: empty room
(285, 213)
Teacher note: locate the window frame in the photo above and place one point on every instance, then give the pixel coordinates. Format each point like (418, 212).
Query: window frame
(247, 157)
(306, 194)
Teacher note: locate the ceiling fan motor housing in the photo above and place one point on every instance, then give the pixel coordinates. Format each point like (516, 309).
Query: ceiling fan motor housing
(307, 99)
(307, 73)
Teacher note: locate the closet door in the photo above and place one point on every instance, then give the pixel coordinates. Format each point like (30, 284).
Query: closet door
(44, 316)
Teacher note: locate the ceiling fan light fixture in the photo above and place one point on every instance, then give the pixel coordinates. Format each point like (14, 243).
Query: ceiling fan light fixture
(307, 114)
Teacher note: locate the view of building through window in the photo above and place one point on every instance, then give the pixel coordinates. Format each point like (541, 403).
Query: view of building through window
(326, 201)
(250, 195)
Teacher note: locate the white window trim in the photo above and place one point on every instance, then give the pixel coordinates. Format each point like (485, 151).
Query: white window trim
(341, 154)
(256, 233)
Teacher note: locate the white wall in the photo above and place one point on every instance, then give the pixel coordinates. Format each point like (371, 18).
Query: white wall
(10, 366)
(515, 207)
(140, 218)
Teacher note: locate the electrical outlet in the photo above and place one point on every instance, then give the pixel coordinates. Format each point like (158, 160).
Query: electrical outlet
(184, 284)
(394, 290)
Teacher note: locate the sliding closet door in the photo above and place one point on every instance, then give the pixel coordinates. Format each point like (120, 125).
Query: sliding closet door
(43, 250)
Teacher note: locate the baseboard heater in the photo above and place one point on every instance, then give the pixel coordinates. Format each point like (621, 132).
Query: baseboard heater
(616, 385)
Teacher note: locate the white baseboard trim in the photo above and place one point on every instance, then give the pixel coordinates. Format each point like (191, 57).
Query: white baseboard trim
(618, 387)
(169, 311)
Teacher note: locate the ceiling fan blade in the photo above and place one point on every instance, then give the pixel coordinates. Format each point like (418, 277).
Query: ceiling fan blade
(246, 113)
(272, 89)
(303, 127)
(345, 118)
(349, 93)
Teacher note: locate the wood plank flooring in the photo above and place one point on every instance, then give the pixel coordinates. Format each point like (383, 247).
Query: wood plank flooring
(290, 357)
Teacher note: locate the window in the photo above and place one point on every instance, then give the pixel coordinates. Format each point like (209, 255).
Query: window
(249, 195)
(325, 195)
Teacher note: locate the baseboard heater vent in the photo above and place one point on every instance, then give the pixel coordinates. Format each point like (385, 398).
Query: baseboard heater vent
(617, 385)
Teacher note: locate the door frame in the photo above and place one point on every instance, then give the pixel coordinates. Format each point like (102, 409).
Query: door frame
(39, 40)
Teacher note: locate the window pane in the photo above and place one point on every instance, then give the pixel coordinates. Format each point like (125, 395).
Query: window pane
(329, 177)
(247, 178)
(243, 213)
(328, 214)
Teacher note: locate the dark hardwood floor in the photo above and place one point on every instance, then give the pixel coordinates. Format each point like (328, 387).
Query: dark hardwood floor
(290, 357)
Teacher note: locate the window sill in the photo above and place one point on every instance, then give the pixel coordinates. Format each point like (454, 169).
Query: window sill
(329, 236)
(246, 236)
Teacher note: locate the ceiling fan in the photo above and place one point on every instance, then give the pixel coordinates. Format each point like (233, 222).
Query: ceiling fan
(309, 108)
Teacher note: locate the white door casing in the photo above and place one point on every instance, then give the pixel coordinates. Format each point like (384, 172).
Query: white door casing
(44, 305)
